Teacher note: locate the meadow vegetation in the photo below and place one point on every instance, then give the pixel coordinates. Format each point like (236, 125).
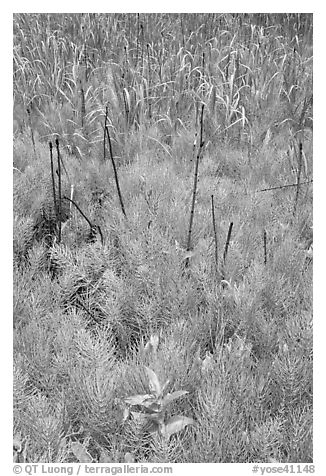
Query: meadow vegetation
(147, 328)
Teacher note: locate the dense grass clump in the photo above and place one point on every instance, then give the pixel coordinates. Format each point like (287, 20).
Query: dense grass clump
(163, 239)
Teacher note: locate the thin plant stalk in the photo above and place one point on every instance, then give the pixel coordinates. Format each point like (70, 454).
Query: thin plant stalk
(149, 84)
(265, 246)
(115, 172)
(83, 106)
(53, 182)
(298, 180)
(227, 243)
(284, 186)
(194, 191)
(64, 168)
(59, 191)
(203, 69)
(91, 225)
(137, 45)
(85, 61)
(215, 234)
(142, 46)
(80, 211)
(125, 100)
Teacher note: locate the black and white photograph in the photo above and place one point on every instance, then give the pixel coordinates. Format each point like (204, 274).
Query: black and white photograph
(162, 240)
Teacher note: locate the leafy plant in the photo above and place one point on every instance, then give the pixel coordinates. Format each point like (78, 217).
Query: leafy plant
(152, 407)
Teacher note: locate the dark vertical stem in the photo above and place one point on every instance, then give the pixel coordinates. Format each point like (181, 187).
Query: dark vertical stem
(182, 31)
(125, 58)
(227, 68)
(227, 247)
(59, 190)
(83, 107)
(101, 234)
(125, 100)
(137, 46)
(298, 180)
(53, 182)
(149, 84)
(201, 143)
(85, 60)
(195, 183)
(142, 46)
(194, 148)
(215, 234)
(265, 247)
(115, 173)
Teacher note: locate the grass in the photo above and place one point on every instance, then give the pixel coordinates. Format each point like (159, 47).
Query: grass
(182, 258)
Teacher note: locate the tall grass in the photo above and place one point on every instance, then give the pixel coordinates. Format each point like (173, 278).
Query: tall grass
(256, 75)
